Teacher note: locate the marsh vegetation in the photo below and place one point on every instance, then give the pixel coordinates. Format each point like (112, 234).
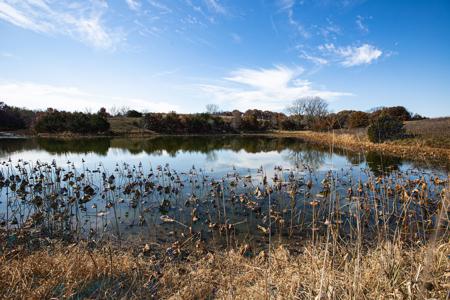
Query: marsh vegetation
(292, 220)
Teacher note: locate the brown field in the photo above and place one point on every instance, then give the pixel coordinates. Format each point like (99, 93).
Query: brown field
(125, 126)
(431, 132)
(388, 271)
(429, 140)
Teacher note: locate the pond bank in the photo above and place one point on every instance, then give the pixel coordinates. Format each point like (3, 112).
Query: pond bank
(194, 272)
(415, 150)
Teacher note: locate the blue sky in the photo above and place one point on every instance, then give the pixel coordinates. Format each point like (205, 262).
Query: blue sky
(180, 55)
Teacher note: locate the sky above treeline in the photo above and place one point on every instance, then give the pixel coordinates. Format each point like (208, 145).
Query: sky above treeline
(163, 55)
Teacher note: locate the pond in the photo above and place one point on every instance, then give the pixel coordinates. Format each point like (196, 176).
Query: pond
(212, 153)
(223, 189)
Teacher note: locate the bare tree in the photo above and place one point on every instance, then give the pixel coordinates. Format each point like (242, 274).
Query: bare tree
(308, 109)
(237, 119)
(113, 111)
(297, 108)
(123, 110)
(212, 109)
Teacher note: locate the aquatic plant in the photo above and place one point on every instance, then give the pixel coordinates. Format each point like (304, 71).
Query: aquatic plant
(80, 203)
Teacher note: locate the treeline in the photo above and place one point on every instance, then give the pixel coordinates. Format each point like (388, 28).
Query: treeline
(14, 118)
(54, 121)
(232, 122)
(173, 123)
(309, 113)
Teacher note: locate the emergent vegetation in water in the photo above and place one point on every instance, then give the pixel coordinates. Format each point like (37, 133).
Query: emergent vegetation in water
(335, 230)
(80, 202)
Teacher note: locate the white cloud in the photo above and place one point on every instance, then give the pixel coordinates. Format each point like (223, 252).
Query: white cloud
(314, 59)
(22, 19)
(271, 89)
(329, 30)
(360, 24)
(7, 55)
(82, 22)
(215, 6)
(297, 25)
(160, 6)
(133, 4)
(41, 96)
(353, 56)
(286, 4)
(265, 79)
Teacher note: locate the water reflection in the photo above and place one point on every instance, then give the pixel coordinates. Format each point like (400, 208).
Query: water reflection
(213, 151)
(381, 164)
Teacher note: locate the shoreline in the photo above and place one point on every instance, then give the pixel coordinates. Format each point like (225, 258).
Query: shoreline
(346, 141)
(354, 143)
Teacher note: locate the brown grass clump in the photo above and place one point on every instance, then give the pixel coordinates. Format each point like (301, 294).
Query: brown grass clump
(388, 271)
(72, 272)
(412, 148)
(127, 126)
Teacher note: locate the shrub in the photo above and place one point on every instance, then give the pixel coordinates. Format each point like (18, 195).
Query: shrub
(358, 119)
(13, 118)
(385, 127)
(340, 119)
(288, 124)
(416, 117)
(54, 121)
(398, 112)
(173, 123)
(133, 114)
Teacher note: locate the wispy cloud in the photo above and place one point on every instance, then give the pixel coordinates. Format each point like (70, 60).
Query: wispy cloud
(317, 60)
(286, 4)
(215, 6)
(288, 7)
(82, 22)
(352, 55)
(360, 23)
(40, 96)
(7, 55)
(133, 4)
(160, 6)
(271, 89)
(330, 30)
(300, 28)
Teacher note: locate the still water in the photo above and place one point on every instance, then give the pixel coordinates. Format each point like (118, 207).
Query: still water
(227, 189)
(211, 153)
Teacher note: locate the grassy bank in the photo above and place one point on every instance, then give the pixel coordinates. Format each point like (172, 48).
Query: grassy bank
(388, 270)
(126, 126)
(413, 148)
(430, 132)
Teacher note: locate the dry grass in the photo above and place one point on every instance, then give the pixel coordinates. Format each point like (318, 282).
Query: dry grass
(430, 132)
(71, 271)
(128, 126)
(385, 271)
(388, 271)
(430, 141)
(414, 148)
